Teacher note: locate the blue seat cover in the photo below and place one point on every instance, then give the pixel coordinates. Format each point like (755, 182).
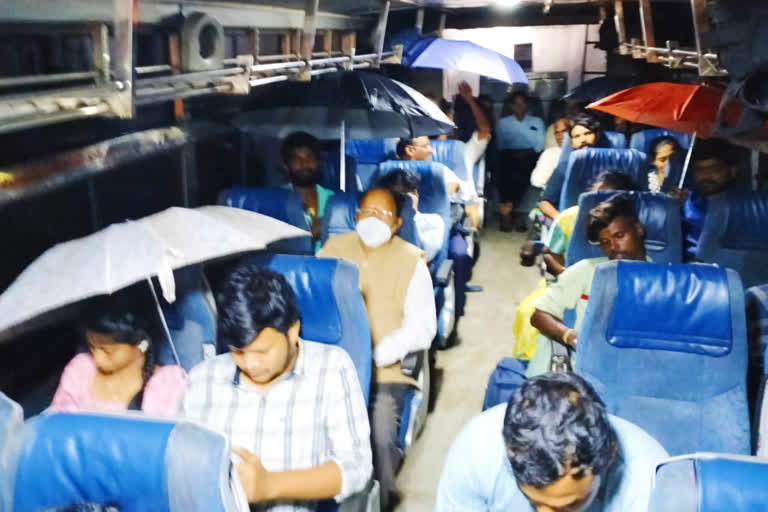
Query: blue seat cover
(369, 154)
(330, 171)
(665, 347)
(735, 234)
(452, 154)
(659, 213)
(11, 439)
(585, 165)
(616, 140)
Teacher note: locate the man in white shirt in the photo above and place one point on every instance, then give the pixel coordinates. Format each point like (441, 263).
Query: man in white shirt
(548, 159)
(400, 302)
(293, 409)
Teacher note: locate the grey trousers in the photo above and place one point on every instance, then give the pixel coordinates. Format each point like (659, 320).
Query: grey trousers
(386, 408)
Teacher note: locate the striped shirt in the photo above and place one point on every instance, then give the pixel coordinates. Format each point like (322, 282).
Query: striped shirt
(311, 415)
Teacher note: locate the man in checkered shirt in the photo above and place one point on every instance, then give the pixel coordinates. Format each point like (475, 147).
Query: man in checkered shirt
(293, 409)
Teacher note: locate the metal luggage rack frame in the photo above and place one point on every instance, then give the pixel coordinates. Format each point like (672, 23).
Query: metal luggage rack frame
(114, 88)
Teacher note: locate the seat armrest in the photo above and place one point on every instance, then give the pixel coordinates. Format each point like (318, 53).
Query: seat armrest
(412, 363)
(443, 276)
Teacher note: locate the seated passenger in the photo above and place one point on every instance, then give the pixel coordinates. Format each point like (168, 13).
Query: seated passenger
(292, 409)
(662, 150)
(118, 372)
(585, 132)
(548, 159)
(552, 448)
(301, 157)
(614, 225)
(559, 234)
(400, 301)
(430, 227)
(419, 149)
(714, 170)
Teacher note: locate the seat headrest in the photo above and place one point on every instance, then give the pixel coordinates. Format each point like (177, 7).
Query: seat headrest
(642, 140)
(278, 203)
(747, 219)
(451, 153)
(659, 214)
(650, 295)
(710, 482)
(370, 151)
(340, 215)
(330, 170)
(11, 440)
(128, 461)
(616, 140)
(584, 165)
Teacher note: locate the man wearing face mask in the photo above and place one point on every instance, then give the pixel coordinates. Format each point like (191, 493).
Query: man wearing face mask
(399, 299)
(553, 448)
(301, 157)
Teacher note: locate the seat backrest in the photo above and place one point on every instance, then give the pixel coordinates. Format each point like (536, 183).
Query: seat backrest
(332, 309)
(11, 438)
(452, 154)
(191, 321)
(641, 140)
(665, 347)
(756, 299)
(735, 234)
(710, 482)
(330, 171)
(433, 193)
(340, 215)
(276, 202)
(659, 213)
(584, 165)
(369, 154)
(128, 461)
(616, 140)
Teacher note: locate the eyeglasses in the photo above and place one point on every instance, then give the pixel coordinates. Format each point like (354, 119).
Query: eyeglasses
(375, 212)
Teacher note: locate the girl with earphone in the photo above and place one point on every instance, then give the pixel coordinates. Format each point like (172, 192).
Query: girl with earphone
(119, 371)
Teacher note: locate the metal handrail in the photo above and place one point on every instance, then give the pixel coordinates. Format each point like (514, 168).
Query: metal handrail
(18, 81)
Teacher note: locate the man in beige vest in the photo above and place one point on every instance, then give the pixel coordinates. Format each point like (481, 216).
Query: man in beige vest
(399, 298)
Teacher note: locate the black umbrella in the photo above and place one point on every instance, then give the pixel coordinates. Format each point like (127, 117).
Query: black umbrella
(600, 87)
(352, 104)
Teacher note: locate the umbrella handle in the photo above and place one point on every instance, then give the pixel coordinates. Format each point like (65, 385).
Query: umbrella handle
(687, 161)
(166, 331)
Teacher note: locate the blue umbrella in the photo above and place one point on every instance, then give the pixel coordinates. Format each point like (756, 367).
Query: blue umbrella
(437, 53)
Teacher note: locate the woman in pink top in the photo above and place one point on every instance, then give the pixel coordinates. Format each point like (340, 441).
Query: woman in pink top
(119, 371)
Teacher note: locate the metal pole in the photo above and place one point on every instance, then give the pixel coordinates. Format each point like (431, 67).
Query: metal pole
(441, 26)
(308, 34)
(687, 161)
(123, 65)
(381, 28)
(621, 30)
(343, 162)
(646, 21)
(420, 19)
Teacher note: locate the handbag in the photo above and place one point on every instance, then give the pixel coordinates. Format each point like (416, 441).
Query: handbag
(560, 361)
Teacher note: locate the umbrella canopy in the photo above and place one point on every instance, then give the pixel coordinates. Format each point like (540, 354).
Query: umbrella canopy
(129, 252)
(438, 53)
(369, 105)
(680, 107)
(600, 87)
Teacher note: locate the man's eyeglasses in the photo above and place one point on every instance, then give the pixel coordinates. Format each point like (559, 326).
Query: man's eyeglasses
(384, 215)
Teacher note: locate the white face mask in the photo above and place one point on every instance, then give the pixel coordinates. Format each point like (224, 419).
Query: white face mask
(373, 232)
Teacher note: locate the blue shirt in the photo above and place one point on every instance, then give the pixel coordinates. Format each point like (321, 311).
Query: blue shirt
(477, 475)
(526, 134)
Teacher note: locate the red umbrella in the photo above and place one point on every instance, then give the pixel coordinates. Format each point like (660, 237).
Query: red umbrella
(680, 107)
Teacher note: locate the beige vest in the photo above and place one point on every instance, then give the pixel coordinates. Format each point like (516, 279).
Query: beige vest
(385, 273)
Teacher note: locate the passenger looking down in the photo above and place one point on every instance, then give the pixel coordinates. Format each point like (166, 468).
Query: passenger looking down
(301, 156)
(559, 234)
(715, 168)
(430, 227)
(548, 159)
(585, 132)
(292, 409)
(118, 372)
(519, 140)
(662, 150)
(399, 298)
(613, 224)
(553, 447)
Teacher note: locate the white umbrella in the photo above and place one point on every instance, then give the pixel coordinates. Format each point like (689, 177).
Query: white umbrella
(129, 252)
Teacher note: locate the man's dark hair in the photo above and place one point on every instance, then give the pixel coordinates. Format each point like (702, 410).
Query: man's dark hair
(620, 205)
(401, 145)
(399, 199)
(252, 299)
(400, 181)
(298, 140)
(615, 180)
(588, 121)
(445, 105)
(556, 423)
(706, 149)
(660, 141)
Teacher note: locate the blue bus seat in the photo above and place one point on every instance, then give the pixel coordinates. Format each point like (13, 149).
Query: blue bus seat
(369, 154)
(659, 213)
(129, 461)
(452, 154)
(641, 140)
(11, 439)
(665, 347)
(756, 299)
(616, 140)
(735, 234)
(330, 171)
(191, 320)
(710, 482)
(584, 165)
(276, 202)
